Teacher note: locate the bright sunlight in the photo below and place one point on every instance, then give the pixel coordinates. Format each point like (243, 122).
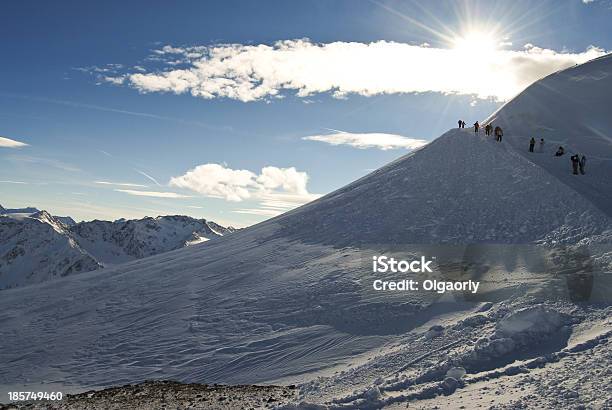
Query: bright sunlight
(476, 41)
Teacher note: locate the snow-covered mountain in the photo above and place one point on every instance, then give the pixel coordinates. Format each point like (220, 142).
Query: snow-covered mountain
(124, 240)
(36, 246)
(66, 220)
(27, 210)
(290, 300)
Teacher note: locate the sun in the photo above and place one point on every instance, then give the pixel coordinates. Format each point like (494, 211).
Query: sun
(476, 42)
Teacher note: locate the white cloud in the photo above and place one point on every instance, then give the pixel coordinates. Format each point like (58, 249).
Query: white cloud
(275, 190)
(368, 140)
(254, 72)
(217, 181)
(288, 179)
(126, 184)
(153, 194)
(13, 182)
(9, 143)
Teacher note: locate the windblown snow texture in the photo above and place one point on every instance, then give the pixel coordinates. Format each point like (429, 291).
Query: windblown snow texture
(288, 300)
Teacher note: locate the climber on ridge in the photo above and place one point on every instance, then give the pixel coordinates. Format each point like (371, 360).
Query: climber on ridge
(531, 144)
(575, 162)
(476, 127)
(499, 133)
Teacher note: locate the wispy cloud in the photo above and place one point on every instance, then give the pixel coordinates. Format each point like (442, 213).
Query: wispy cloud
(13, 182)
(257, 211)
(125, 184)
(153, 194)
(114, 80)
(75, 104)
(149, 177)
(276, 203)
(254, 72)
(368, 140)
(9, 143)
(49, 162)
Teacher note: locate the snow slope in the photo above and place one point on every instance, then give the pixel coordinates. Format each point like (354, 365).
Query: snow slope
(290, 300)
(570, 108)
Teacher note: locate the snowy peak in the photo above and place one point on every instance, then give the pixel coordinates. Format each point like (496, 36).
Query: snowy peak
(27, 210)
(461, 188)
(123, 240)
(571, 104)
(36, 247)
(570, 108)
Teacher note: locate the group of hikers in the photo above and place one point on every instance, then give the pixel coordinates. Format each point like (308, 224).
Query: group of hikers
(532, 143)
(497, 131)
(578, 161)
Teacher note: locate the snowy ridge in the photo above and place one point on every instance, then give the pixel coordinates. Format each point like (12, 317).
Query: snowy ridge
(461, 188)
(36, 247)
(290, 300)
(570, 109)
(121, 241)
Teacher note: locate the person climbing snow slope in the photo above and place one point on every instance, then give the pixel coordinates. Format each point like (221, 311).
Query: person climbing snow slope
(531, 144)
(575, 161)
(499, 133)
(541, 148)
(476, 127)
(581, 164)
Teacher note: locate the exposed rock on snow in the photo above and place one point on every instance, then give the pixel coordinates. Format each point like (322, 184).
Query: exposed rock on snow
(171, 395)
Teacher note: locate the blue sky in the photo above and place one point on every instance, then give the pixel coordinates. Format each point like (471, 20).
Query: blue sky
(144, 108)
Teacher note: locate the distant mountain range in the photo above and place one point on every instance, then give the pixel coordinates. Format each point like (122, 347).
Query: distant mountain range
(36, 246)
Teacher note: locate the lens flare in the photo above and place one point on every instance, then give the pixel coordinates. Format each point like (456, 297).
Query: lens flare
(476, 41)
